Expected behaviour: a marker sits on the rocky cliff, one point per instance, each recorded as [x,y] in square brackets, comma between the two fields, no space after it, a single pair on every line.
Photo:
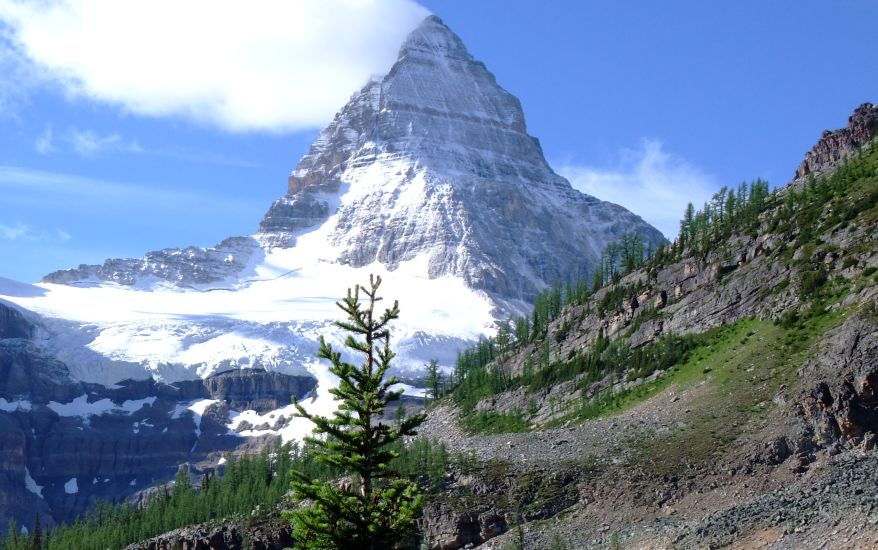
[834,146]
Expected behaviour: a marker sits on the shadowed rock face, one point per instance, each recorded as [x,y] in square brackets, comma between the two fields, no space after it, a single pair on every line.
[64,443]
[13,324]
[435,160]
[257,389]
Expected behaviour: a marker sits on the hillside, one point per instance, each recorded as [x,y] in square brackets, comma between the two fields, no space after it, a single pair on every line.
[720,395]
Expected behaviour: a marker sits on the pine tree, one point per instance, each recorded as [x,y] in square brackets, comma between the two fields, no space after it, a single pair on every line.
[38,534]
[372,511]
[433,379]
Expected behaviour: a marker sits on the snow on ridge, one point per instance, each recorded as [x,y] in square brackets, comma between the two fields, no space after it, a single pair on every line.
[81,407]
[108,332]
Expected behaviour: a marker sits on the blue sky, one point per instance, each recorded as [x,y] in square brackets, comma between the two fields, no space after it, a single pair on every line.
[126,128]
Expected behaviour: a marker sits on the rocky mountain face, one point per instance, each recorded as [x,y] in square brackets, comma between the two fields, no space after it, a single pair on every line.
[435,160]
[64,443]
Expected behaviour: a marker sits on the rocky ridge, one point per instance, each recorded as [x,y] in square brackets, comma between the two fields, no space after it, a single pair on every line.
[834,146]
[184,267]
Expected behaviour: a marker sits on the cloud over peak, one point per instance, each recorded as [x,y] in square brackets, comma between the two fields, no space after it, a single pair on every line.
[649,181]
[273,66]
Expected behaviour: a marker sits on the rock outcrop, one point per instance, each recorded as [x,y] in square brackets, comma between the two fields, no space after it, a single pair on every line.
[258,390]
[183,267]
[221,537]
[836,145]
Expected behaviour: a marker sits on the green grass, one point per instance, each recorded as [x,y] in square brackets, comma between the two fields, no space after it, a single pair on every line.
[745,369]
[489,422]
[721,350]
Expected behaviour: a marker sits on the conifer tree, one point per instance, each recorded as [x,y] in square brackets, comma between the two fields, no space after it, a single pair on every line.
[433,378]
[372,511]
[38,534]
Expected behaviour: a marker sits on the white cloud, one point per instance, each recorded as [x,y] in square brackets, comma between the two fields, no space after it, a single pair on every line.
[14,232]
[45,143]
[88,142]
[26,187]
[275,65]
[24,232]
[649,181]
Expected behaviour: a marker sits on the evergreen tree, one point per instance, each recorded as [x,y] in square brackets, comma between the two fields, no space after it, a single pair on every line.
[38,534]
[372,511]
[433,376]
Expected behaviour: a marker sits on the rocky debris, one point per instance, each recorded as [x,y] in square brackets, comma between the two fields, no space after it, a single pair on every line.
[840,405]
[803,514]
[258,390]
[835,146]
[183,267]
[225,536]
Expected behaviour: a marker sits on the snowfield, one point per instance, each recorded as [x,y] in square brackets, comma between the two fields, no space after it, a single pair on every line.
[271,319]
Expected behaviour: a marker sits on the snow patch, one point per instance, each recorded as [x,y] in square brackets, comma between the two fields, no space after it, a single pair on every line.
[197,409]
[12,406]
[81,407]
[71,488]
[31,485]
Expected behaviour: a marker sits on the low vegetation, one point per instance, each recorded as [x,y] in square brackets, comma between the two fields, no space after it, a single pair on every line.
[805,216]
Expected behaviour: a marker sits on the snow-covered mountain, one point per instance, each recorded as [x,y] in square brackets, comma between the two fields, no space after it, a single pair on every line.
[426,177]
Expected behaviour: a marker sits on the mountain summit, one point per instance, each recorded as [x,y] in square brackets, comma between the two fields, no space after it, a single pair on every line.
[435,160]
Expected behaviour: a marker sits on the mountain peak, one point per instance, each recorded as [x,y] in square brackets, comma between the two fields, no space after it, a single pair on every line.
[434,163]
[433,38]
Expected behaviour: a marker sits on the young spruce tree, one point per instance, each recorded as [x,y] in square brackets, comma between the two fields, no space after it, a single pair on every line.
[376,509]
